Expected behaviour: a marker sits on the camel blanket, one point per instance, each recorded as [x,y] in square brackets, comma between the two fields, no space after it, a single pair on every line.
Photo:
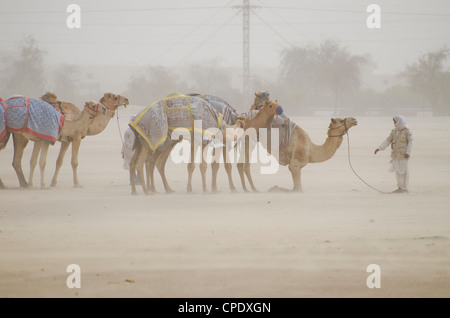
[156,122]
[285,129]
[220,106]
[36,117]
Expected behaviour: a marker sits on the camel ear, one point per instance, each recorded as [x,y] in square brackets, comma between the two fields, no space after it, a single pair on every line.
[333,120]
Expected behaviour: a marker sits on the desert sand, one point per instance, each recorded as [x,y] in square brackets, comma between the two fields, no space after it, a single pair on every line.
[317,243]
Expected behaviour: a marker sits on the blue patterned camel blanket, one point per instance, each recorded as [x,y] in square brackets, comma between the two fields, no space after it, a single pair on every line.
[156,122]
[221,106]
[286,129]
[36,117]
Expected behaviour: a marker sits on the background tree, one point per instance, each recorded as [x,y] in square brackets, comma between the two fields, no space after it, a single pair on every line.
[24,73]
[428,76]
[209,77]
[322,73]
[156,83]
[67,85]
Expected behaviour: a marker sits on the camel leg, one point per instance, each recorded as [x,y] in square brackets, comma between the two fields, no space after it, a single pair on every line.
[2,185]
[59,162]
[191,165]
[140,169]
[249,176]
[20,143]
[214,169]
[161,165]
[295,169]
[150,164]
[203,168]
[137,163]
[43,161]
[34,158]
[228,168]
[241,170]
[76,142]
[247,168]
[191,168]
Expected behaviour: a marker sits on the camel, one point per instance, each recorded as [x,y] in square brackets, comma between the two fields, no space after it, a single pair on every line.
[158,156]
[69,127]
[222,107]
[269,109]
[109,101]
[301,150]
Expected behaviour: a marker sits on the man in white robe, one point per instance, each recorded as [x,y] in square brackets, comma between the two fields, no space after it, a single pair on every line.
[401,141]
[127,148]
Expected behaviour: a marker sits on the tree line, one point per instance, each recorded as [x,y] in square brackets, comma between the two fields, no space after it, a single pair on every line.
[316,76]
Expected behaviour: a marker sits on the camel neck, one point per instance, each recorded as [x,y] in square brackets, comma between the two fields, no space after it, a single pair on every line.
[325,151]
[261,120]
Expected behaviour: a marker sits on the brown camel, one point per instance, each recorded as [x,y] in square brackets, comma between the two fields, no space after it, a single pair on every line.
[301,150]
[109,101]
[69,127]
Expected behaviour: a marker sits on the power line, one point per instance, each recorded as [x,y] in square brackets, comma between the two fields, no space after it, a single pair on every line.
[191,32]
[360,11]
[273,29]
[207,39]
[114,10]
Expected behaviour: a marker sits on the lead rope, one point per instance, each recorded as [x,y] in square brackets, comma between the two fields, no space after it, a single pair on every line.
[120,132]
[350,163]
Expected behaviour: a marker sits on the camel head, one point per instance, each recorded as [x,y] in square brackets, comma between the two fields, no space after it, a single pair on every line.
[339,127]
[113,101]
[50,98]
[260,98]
[271,107]
[94,108]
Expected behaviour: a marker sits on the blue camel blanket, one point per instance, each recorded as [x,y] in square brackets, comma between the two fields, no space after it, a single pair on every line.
[25,115]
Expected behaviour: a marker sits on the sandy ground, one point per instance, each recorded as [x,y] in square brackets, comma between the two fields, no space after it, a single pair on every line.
[318,243]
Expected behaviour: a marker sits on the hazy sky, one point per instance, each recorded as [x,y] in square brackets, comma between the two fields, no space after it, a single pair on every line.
[171,32]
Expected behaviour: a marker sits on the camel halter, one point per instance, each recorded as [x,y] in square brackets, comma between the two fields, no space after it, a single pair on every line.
[95,110]
[344,125]
[261,100]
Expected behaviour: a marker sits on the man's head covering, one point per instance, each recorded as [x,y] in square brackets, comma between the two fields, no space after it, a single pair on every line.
[133,117]
[400,122]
